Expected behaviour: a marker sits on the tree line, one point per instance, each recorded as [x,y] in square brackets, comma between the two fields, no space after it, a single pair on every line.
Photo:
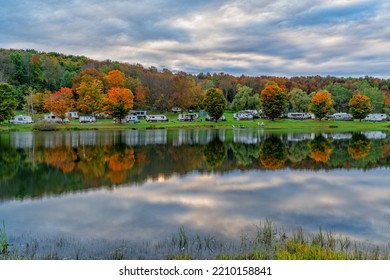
[39,80]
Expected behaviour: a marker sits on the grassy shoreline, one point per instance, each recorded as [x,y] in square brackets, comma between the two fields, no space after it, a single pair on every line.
[173,123]
[265,242]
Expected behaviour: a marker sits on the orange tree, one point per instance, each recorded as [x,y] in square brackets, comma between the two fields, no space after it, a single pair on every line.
[321,104]
[274,100]
[118,102]
[360,106]
[60,102]
[116,78]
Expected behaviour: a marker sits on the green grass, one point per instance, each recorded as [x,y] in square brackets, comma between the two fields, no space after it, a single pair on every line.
[280,124]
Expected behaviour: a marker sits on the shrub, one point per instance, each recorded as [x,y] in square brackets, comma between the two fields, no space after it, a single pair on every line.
[45,126]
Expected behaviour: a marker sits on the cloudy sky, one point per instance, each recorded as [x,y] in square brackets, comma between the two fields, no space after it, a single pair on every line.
[251,37]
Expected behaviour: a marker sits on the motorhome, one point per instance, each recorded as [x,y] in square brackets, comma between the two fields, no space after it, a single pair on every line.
[21,120]
[156,118]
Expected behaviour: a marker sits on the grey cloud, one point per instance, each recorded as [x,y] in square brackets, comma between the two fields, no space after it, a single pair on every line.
[290,37]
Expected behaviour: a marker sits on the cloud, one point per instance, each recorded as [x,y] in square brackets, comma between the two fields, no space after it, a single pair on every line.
[249,37]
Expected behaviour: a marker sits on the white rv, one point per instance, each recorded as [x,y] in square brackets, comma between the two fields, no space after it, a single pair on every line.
[138,114]
[87,119]
[300,116]
[21,120]
[52,118]
[187,117]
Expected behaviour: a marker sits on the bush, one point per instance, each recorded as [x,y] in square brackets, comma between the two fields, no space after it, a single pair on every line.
[45,126]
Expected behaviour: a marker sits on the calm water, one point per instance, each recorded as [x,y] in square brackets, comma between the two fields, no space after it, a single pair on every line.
[143,186]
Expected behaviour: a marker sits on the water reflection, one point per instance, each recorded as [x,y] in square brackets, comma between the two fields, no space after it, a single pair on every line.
[141,185]
[66,161]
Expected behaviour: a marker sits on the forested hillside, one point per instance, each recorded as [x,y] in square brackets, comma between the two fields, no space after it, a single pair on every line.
[34,74]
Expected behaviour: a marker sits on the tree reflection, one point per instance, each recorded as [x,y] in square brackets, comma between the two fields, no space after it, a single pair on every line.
[359,146]
[9,162]
[62,158]
[245,153]
[214,153]
[273,153]
[119,163]
[91,163]
[299,151]
[320,149]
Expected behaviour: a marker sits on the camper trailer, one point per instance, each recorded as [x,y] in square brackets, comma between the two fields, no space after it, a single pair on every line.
[376,117]
[138,114]
[189,117]
[156,118]
[52,118]
[300,116]
[87,119]
[21,120]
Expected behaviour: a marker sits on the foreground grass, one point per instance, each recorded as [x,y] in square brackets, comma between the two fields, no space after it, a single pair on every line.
[265,243]
[281,124]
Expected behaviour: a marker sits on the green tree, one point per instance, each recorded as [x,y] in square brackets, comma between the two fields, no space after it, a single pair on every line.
[214,103]
[360,106]
[321,104]
[299,100]
[340,95]
[376,97]
[8,102]
[240,101]
[214,153]
[273,100]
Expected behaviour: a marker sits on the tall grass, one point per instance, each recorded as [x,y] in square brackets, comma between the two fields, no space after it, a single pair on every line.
[265,242]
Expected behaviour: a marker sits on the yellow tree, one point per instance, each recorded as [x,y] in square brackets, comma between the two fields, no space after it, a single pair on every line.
[321,104]
[360,106]
[90,94]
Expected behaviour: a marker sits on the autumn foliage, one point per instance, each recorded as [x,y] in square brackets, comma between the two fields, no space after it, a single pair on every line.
[274,100]
[360,106]
[116,78]
[90,96]
[321,104]
[359,146]
[118,102]
[119,164]
[60,102]
[320,149]
[273,153]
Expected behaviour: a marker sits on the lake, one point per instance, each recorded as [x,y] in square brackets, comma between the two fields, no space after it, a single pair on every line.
[84,193]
